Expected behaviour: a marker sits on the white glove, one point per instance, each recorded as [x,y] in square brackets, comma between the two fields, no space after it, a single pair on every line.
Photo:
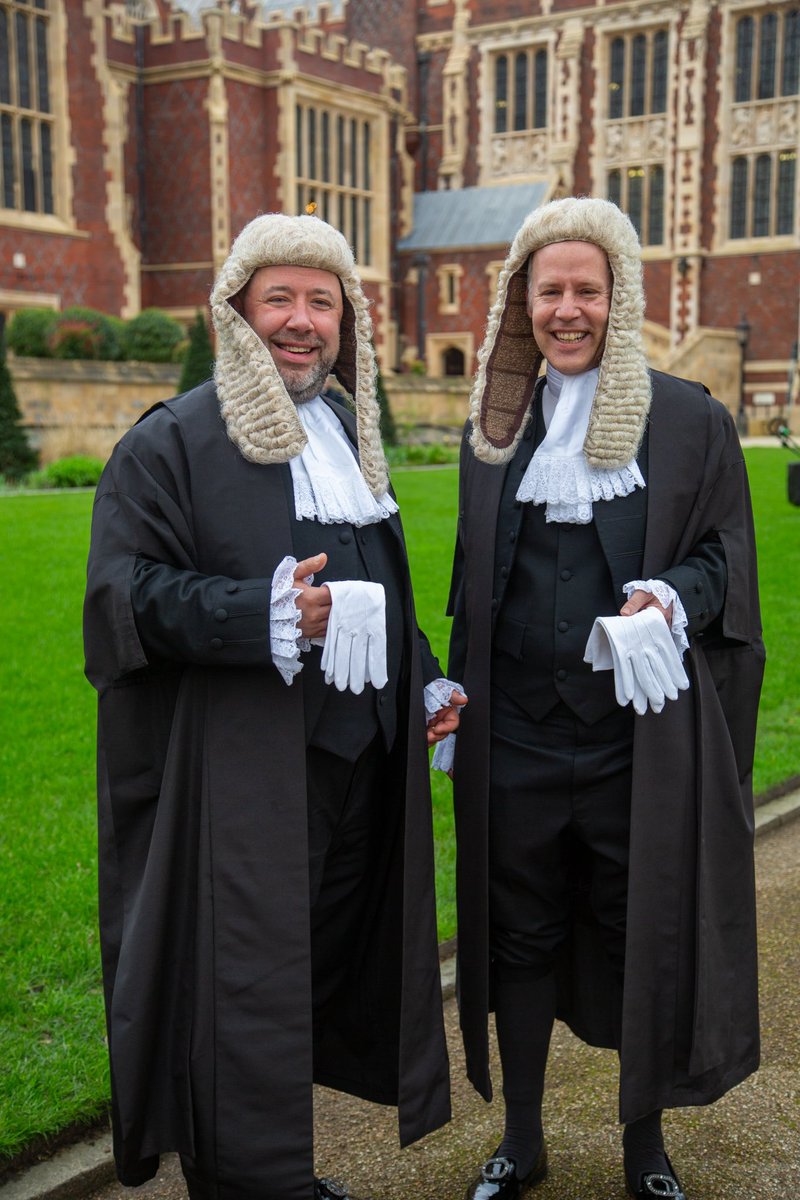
[355,642]
[640,648]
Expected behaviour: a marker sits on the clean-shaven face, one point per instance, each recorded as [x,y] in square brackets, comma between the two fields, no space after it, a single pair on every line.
[297,313]
[569,297]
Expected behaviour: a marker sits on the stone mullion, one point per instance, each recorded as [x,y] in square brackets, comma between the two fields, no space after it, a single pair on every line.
[688,172]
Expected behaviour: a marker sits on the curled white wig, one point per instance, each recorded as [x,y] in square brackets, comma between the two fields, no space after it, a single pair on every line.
[509,359]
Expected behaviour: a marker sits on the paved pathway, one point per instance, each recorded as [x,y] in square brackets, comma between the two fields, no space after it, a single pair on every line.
[745,1147]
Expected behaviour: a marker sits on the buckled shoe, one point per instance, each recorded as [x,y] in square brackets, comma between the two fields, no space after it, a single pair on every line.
[329,1189]
[498,1179]
[654,1185]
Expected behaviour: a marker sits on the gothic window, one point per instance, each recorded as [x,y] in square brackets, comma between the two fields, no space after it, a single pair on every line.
[767,55]
[763,190]
[454,361]
[520,91]
[637,74]
[333,168]
[26,118]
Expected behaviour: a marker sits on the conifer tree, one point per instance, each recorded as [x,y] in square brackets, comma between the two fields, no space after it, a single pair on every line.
[16,455]
[388,427]
[198,366]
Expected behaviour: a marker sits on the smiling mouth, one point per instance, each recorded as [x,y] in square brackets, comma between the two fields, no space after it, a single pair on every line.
[568,336]
[288,348]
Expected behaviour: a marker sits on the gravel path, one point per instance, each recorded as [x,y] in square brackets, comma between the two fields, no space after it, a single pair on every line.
[745,1147]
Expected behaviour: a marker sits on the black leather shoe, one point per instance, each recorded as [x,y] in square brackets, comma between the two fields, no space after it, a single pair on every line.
[329,1189]
[654,1185]
[498,1179]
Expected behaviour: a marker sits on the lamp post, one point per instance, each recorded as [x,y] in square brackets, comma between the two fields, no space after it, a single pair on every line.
[742,337]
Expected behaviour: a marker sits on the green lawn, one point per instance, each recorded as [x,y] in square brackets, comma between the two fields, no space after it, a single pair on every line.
[52,1045]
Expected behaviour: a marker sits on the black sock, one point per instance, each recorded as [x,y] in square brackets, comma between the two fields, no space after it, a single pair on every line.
[524,1014]
[643,1147]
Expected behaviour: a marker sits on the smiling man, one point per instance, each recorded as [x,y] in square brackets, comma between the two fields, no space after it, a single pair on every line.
[267,908]
[605,869]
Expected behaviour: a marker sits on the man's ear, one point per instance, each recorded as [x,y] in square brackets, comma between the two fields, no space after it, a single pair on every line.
[237,301]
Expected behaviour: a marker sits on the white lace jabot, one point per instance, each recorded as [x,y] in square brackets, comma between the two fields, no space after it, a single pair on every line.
[558,474]
[327,483]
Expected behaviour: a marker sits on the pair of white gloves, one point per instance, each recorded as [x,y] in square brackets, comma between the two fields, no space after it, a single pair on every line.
[641,650]
[354,650]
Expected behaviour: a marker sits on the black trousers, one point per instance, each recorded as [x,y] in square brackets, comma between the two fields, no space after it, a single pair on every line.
[559,797]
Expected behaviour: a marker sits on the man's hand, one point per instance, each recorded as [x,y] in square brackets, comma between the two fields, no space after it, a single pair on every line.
[639,600]
[446,719]
[314,602]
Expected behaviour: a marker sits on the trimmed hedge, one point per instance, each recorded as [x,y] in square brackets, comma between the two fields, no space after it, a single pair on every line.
[153,336]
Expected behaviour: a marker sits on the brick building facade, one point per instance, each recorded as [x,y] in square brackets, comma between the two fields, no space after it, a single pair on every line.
[138,136]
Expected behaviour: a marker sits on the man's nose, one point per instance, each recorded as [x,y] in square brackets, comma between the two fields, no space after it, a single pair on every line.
[300,316]
[567,306]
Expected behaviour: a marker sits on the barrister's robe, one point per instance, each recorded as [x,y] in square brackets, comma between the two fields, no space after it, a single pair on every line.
[690,1006]
[204,895]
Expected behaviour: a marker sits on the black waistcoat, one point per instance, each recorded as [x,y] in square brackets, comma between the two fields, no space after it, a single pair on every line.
[554,580]
[341,722]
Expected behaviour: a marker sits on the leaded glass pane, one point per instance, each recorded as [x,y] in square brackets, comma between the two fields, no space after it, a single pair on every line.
[787,175]
[655,222]
[614,187]
[739,175]
[23,66]
[47,169]
[367,152]
[790,76]
[501,94]
[5,66]
[636,197]
[766,58]
[41,66]
[762,196]
[540,92]
[367,257]
[8,160]
[521,91]
[616,79]
[340,156]
[638,72]
[298,139]
[311,166]
[658,88]
[28,172]
[744,59]
[325,147]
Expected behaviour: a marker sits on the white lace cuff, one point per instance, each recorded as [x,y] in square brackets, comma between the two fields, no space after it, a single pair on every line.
[285,639]
[665,594]
[437,695]
[444,753]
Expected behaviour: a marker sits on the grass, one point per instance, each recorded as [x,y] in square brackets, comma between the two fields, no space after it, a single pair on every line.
[52,1046]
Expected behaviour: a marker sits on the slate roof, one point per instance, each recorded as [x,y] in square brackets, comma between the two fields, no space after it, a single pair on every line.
[470,217]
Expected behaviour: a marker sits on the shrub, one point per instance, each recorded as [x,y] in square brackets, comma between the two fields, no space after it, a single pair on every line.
[198,365]
[81,332]
[153,336]
[28,331]
[16,456]
[79,470]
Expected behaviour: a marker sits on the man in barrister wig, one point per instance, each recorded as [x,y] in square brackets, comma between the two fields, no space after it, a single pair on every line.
[607,632]
[267,905]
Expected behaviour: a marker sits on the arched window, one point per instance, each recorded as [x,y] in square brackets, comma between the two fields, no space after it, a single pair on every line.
[761,195]
[616,76]
[744,58]
[739,173]
[501,94]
